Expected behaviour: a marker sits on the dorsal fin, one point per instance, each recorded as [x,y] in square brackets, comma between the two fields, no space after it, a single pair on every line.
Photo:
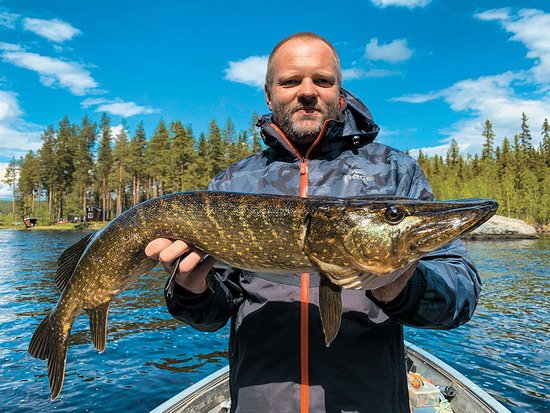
[66,263]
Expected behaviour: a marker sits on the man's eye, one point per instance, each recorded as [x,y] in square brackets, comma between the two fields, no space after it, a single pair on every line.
[290,82]
[324,82]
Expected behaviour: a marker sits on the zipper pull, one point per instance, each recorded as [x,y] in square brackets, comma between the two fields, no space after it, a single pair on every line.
[303,167]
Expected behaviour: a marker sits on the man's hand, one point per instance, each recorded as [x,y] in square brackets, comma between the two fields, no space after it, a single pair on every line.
[390,291]
[192,270]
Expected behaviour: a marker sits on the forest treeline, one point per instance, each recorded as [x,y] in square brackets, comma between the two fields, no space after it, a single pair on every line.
[84,164]
[515,173]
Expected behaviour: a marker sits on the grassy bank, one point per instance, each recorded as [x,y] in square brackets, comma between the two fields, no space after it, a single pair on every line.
[58,227]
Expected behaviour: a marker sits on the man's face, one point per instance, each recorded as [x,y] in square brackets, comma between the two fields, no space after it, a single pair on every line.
[304,92]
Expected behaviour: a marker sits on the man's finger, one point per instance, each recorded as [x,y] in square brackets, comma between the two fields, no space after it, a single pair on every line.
[195,281]
[173,251]
[189,263]
[154,248]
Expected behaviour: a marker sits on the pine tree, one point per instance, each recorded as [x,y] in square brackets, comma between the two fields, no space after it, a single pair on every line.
[217,153]
[158,159]
[488,134]
[136,162]
[84,162]
[29,183]
[104,162]
[65,149]
[119,175]
[545,142]
[10,179]
[525,135]
[452,154]
[46,155]
[204,163]
[183,157]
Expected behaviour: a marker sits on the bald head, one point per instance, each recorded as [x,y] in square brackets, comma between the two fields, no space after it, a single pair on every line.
[298,39]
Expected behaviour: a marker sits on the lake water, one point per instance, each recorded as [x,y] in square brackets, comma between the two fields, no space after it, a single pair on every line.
[150,357]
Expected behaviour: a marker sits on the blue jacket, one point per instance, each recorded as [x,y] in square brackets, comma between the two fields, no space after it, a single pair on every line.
[363,370]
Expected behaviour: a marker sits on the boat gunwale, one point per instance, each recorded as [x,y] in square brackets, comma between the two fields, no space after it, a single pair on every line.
[221,377]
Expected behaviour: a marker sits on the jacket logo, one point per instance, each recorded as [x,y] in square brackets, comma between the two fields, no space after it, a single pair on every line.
[357,175]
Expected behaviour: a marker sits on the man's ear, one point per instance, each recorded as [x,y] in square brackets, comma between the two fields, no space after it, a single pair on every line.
[267,96]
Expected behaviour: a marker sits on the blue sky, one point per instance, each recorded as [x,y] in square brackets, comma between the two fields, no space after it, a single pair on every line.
[429,70]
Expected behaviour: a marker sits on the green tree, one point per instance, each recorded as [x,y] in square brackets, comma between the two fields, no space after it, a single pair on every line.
[158,159]
[10,178]
[46,155]
[137,163]
[29,183]
[525,135]
[545,142]
[103,165]
[84,163]
[217,153]
[489,135]
[119,175]
[184,157]
[64,163]
[204,163]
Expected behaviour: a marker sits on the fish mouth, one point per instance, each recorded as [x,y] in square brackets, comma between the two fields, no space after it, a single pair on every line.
[451,220]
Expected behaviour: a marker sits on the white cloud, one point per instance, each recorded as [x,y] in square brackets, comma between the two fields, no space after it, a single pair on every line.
[532,28]
[10,47]
[16,136]
[5,190]
[487,97]
[93,101]
[494,14]
[402,3]
[55,30]
[118,107]
[501,98]
[393,52]
[250,71]
[7,19]
[418,97]
[359,73]
[53,72]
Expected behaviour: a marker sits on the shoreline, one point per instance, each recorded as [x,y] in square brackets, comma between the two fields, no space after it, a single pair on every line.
[93,226]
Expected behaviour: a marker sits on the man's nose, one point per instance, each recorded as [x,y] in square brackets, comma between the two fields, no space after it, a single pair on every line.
[307,88]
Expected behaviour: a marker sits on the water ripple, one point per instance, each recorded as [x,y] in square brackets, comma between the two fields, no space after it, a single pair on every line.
[149,356]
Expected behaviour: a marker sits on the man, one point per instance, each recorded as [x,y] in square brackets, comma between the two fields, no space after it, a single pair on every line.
[319,142]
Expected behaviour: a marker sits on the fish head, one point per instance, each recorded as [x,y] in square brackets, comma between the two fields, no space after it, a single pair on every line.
[386,235]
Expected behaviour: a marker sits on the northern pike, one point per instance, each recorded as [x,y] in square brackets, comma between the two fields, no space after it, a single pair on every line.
[352,243]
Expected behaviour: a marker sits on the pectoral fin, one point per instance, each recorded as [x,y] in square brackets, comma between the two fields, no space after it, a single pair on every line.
[330,307]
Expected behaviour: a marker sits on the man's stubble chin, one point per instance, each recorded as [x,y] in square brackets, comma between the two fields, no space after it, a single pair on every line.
[302,129]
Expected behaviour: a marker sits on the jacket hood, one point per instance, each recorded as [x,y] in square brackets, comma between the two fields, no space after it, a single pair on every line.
[354,126]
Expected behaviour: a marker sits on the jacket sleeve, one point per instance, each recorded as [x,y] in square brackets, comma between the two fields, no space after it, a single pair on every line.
[444,290]
[210,310]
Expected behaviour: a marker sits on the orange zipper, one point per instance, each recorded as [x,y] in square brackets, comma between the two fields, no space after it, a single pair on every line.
[304,278]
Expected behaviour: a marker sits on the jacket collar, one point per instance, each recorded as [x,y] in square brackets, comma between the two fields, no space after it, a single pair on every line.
[354,127]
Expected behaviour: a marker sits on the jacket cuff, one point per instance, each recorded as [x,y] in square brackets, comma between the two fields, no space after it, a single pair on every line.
[187,300]
[408,300]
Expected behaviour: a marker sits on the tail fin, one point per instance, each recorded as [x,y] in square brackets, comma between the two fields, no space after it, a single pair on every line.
[51,342]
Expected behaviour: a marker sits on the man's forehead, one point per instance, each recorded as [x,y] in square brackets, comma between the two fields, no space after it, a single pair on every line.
[304,46]
[304,54]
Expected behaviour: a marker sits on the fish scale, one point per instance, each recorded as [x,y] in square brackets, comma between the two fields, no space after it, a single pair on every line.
[350,242]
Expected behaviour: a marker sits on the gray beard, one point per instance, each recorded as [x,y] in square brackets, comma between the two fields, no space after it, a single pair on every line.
[283,120]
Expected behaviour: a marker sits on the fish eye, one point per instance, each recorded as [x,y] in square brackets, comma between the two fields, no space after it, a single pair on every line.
[394,215]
